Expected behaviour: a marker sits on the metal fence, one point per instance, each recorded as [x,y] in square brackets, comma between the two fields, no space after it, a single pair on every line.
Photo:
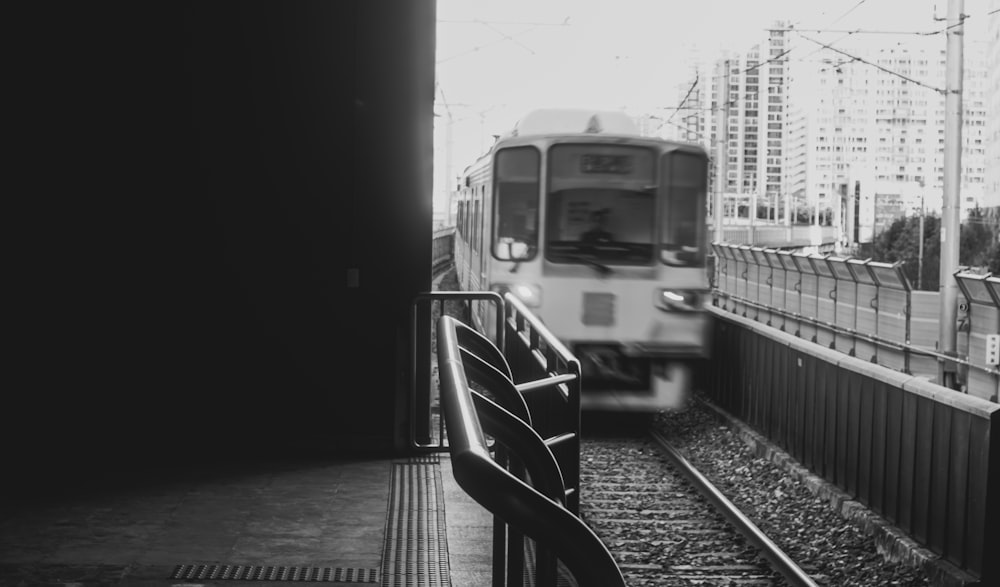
[865,309]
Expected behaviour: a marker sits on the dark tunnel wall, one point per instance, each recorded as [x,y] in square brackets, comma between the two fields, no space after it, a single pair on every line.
[229,215]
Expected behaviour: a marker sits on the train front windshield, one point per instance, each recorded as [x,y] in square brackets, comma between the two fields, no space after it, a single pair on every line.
[601,204]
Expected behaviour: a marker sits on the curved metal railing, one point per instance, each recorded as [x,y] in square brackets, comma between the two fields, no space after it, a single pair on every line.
[534,509]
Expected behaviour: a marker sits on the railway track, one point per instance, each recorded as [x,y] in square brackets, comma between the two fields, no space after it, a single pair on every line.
[665,525]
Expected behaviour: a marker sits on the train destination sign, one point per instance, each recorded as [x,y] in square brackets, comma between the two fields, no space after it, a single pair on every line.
[590,163]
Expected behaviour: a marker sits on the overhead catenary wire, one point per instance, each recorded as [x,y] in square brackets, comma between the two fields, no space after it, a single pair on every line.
[685,99]
[690,101]
[749,69]
[852,9]
[851,58]
[504,37]
[478,48]
[961,22]
[875,65]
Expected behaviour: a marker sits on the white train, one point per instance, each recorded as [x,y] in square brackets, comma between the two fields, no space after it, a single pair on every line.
[602,233]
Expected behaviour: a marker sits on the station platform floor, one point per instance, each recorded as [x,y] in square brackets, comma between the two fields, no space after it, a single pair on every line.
[385,522]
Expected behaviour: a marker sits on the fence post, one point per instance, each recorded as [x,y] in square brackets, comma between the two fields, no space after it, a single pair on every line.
[754,281]
[743,263]
[765,285]
[866,319]
[793,285]
[845,314]
[982,293]
[826,300]
[721,273]
[808,296]
[893,313]
[732,277]
[778,288]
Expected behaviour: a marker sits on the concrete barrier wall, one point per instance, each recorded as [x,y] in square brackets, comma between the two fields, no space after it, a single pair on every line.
[923,456]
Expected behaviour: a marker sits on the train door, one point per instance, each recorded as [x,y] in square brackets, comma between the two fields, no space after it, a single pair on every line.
[478,250]
[463,248]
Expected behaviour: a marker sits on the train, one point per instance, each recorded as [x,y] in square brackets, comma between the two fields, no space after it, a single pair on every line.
[601,232]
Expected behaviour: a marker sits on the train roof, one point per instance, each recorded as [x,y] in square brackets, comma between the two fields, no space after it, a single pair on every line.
[568,122]
[573,121]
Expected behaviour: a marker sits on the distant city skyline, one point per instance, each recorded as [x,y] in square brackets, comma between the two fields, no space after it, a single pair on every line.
[498,60]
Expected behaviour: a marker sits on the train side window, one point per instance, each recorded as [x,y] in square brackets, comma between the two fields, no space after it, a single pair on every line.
[476,222]
[515,205]
[686,185]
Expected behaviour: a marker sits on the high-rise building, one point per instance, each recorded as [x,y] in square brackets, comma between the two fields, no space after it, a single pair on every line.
[754,108]
[991,189]
[873,115]
[850,131]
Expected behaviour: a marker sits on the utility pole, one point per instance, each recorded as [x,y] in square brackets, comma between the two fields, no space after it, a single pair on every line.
[950,224]
[721,149]
[920,247]
[788,204]
[838,216]
[448,187]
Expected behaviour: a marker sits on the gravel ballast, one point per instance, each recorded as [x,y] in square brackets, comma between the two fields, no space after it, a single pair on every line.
[835,539]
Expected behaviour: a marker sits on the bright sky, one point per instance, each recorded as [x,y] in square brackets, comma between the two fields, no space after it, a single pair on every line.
[498,59]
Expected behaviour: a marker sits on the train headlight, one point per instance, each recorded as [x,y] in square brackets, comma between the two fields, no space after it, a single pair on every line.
[530,294]
[679,300]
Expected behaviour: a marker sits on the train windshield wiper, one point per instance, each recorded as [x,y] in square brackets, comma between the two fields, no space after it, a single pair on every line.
[586,260]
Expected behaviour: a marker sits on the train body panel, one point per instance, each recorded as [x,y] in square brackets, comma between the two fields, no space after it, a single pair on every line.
[617,309]
[601,232]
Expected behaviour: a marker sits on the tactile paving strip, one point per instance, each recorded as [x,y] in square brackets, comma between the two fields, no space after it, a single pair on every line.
[274,573]
[416,540]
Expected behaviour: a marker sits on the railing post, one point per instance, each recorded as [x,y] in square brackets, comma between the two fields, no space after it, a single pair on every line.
[421,418]
[845,314]
[866,310]
[893,326]
[793,292]
[808,296]
[778,288]
[982,293]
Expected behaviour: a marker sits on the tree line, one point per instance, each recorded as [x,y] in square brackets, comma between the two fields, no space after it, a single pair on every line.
[979,246]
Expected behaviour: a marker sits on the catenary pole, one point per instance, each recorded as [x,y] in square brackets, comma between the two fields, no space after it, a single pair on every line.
[721,150]
[952,186]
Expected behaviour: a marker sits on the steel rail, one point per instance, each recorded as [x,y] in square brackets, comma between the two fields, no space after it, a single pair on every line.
[777,557]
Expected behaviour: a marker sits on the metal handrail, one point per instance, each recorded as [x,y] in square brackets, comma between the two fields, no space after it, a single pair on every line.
[512,499]
[522,318]
[523,441]
[878,341]
[555,370]
[499,383]
[420,433]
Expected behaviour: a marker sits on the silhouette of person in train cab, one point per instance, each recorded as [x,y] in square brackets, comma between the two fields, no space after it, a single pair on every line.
[598,231]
